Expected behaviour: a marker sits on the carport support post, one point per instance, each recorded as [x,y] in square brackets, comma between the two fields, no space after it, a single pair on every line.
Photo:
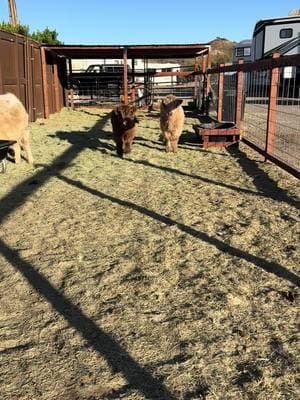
[204,83]
[71,95]
[132,80]
[271,123]
[125,80]
[132,70]
[45,83]
[220,95]
[196,68]
[208,66]
[239,95]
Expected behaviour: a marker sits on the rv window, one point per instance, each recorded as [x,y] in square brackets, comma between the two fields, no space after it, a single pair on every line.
[286,33]
[242,51]
[239,52]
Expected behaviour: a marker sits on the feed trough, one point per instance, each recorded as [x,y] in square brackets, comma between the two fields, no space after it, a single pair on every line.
[4,146]
[217,134]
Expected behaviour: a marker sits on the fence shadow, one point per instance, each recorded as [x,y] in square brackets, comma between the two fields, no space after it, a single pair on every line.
[103,148]
[118,359]
[268,266]
[187,143]
[265,185]
[262,181]
[94,142]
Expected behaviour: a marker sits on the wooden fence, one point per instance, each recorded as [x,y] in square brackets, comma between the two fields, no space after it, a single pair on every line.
[33,73]
[263,99]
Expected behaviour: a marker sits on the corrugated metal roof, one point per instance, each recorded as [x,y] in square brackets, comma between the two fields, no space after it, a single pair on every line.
[152,51]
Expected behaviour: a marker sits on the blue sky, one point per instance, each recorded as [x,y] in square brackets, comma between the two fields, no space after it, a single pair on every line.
[146,22]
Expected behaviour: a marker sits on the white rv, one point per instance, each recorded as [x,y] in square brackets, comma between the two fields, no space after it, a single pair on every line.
[280,35]
[242,51]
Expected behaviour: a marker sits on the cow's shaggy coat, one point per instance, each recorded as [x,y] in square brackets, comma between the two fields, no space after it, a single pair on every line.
[171,121]
[14,125]
[123,122]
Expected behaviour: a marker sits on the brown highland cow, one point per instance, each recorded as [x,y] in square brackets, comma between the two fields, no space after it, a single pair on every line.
[123,122]
[171,121]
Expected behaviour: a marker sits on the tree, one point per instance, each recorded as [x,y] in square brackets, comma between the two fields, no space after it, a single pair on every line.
[46,36]
[222,57]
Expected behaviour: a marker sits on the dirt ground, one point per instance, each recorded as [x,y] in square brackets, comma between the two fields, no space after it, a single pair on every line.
[156,276]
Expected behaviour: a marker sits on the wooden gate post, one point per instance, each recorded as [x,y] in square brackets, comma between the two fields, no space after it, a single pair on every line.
[239,96]
[1,81]
[56,88]
[271,123]
[45,83]
[220,94]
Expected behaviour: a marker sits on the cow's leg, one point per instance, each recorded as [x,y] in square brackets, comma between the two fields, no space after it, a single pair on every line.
[127,144]
[27,149]
[174,145]
[162,137]
[128,139]
[168,138]
[168,146]
[119,143]
[17,152]
[120,150]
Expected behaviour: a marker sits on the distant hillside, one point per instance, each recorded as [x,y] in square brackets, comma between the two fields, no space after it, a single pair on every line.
[222,50]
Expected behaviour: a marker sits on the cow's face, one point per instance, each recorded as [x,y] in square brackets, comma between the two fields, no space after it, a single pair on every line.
[129,123]
[170,103]
[129,118]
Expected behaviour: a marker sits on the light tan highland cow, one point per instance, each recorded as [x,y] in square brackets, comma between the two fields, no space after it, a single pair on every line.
[14,125]
[171,121]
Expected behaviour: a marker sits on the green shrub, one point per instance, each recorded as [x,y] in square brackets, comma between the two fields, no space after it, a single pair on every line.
[21,29]
[46,36]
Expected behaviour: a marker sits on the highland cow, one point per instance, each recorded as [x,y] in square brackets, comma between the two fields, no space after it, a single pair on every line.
[123,122]
[14,125]
[171,121]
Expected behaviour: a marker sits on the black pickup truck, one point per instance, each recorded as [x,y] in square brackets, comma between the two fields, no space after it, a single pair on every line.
[98,77]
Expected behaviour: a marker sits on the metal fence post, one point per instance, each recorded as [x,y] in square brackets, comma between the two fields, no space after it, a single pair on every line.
[220,95]
[271,122]
[239,95]
[125,76]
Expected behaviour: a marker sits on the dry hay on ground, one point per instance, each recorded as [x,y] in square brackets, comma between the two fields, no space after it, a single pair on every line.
[150,277]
